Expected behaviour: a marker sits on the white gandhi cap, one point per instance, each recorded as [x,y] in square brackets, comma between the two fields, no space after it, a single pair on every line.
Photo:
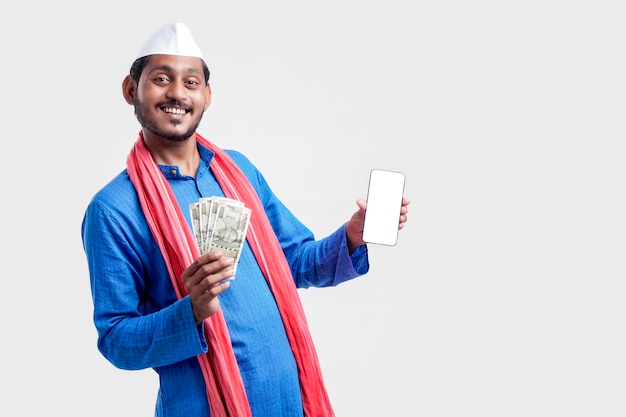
[174,39]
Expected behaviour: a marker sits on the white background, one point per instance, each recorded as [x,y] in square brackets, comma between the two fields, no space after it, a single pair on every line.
[505,293]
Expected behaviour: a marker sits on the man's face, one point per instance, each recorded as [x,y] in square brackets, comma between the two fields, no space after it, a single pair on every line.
[172,96]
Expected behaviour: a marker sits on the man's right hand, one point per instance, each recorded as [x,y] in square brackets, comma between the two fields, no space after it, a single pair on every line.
[205,279]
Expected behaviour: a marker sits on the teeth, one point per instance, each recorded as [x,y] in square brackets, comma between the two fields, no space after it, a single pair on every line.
[174,110]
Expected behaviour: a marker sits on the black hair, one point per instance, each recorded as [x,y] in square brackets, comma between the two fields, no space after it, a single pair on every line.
[140,63]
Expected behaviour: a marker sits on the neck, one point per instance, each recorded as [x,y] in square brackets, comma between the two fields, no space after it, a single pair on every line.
[183,154]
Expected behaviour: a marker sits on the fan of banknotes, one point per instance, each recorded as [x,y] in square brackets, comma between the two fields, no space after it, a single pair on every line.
[220,224]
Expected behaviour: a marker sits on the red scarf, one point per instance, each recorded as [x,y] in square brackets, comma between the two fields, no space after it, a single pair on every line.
[225,390]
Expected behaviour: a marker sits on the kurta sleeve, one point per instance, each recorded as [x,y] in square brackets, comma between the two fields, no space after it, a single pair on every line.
[122,256]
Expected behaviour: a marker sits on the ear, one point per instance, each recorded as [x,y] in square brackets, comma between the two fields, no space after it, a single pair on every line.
[207,102]
[129,89]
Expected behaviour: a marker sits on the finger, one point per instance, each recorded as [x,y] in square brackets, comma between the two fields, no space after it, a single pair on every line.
[205,266]
[201,261]
[224,272]
[213,286]
[213,263]
[204,293]
[207,303]
[403,219]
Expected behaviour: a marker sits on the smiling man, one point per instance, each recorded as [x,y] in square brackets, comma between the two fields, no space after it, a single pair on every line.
[221,346]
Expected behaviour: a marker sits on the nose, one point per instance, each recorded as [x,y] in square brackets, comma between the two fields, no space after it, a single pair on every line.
[176,90]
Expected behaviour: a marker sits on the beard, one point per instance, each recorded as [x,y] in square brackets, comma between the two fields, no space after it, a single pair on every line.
[152,126]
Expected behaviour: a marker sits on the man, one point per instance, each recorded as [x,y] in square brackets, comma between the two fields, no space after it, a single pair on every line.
[221,345]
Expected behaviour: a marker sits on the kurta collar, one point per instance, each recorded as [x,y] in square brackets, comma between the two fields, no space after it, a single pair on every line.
[172,171]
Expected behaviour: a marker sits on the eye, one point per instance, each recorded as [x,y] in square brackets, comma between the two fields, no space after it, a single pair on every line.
[192,83]
[161,79]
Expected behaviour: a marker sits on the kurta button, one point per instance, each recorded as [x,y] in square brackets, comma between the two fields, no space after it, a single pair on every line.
[173,171]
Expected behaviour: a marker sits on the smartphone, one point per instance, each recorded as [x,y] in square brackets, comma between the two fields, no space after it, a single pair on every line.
[384,202]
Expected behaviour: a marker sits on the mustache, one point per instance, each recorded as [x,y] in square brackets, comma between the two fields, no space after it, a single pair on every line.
[173,103]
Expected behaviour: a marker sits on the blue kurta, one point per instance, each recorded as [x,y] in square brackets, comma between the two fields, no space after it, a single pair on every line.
[141,323]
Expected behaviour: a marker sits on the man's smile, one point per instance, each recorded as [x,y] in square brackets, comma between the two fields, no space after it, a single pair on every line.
[174,110]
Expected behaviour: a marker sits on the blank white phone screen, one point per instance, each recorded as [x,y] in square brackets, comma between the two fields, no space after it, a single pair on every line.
[384,202]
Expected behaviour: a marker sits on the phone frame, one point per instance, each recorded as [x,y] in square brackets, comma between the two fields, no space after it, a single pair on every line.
[384,203]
